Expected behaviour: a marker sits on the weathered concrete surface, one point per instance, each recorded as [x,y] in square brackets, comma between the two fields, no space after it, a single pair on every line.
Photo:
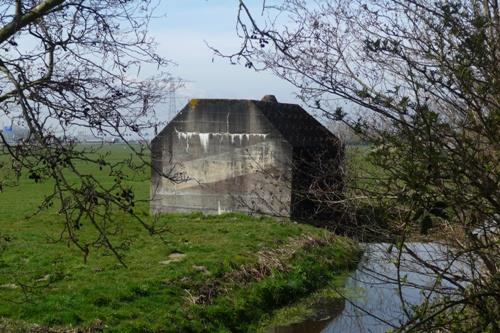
[238,155]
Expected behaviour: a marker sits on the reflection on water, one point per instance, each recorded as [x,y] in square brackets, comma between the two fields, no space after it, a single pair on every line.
[312,326]
[324,311]
[376,305]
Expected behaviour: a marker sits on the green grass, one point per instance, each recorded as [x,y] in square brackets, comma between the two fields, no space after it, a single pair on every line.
[20,201]
[78,294]
[44,280]
[362,174]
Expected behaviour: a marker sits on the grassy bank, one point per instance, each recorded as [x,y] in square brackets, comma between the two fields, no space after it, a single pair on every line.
[165,288]
[204,274]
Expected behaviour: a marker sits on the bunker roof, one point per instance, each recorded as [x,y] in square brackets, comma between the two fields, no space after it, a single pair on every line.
[296,125]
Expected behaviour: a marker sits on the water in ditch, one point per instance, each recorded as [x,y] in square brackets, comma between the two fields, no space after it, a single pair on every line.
[373,303]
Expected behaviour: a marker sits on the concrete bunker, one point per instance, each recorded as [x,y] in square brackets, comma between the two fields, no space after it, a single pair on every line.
[245,156]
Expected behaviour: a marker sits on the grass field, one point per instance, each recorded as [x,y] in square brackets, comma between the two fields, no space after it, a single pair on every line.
[207,273]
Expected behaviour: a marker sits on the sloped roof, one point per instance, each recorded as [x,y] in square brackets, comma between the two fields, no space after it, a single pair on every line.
[297,127]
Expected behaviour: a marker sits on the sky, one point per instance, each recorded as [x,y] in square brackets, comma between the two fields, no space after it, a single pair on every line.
[182,31]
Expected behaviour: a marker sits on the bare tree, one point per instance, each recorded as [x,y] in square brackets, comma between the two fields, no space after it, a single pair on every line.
[72,65]
[430,71]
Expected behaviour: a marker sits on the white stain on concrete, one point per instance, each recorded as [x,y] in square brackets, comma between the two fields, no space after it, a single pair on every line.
[186,136]
[205,137]
[220,210]
[204,141]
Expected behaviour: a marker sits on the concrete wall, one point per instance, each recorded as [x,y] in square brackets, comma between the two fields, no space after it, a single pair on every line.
[234,158]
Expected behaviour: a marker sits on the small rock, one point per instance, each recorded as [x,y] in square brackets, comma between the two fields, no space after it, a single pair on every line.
[176,255]
[44,278]
[173,257]
[185,279]
[201,269]
[9,286]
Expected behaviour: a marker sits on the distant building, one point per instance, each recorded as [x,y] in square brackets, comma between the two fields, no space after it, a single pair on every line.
[13,134]
[246,156]
[90,138]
